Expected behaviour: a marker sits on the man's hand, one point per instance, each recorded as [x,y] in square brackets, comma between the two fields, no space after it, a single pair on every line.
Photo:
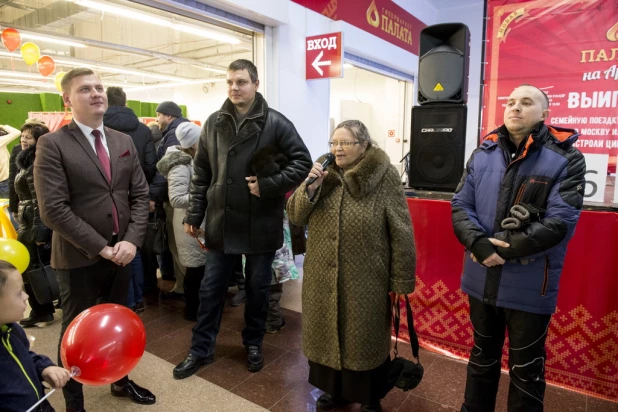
[495,259]
[124,253]
[107,253]
[56,377]
[254,187]
[152,206]
[190,230]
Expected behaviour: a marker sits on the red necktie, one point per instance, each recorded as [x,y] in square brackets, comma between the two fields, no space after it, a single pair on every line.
[104,159]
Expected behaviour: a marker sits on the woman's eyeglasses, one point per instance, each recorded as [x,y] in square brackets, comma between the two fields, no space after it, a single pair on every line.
[342,144]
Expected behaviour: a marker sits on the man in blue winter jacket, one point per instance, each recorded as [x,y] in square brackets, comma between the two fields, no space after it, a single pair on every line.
[515,210]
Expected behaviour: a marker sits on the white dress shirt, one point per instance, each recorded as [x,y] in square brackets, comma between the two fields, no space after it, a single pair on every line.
[87,131]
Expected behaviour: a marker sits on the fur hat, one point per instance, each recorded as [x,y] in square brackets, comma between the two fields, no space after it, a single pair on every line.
[188,134]
[267,161]
[169,108]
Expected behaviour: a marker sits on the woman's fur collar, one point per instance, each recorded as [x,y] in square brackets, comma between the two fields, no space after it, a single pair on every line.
[363,178]
[171,159]
[25,158]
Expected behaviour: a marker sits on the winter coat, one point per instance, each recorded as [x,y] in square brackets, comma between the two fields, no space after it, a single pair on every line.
[237,221]
[546,173]
[31,229]
[177,167]
[13,198]
[20,380]
[124,120]
[360,247]
[158,186]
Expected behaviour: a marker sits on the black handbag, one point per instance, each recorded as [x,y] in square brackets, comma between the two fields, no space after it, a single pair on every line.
[403,373]
[42,280]
[156,240]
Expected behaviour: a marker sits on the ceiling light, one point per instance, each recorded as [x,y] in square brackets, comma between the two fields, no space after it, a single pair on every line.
[30,36]
[8,73]
[150,19]
[167,85]
[14,82]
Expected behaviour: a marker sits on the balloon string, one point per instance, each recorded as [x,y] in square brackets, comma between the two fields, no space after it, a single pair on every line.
[74,372]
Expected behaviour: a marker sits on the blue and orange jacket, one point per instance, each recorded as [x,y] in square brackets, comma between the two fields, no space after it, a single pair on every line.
[546,171]
[20,377]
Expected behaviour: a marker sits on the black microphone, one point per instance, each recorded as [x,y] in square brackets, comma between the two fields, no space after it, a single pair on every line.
[330,158]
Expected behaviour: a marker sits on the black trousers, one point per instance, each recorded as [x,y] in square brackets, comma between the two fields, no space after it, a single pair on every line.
[527,334]
[193,279]
[80,289]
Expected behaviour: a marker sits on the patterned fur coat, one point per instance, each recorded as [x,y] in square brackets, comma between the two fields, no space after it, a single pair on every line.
[360,246]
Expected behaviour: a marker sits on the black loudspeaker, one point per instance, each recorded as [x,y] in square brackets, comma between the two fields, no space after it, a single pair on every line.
[444,58]
[437,147]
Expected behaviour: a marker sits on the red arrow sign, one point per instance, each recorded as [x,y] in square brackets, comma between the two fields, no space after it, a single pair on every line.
[324,54]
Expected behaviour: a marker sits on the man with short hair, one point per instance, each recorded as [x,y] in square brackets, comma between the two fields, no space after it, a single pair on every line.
[123,119]
[244,214]
[515,210]
[93,194]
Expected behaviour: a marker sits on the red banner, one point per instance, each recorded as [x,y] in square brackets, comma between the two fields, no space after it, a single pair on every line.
[382,18]
[569,49]
[582,342]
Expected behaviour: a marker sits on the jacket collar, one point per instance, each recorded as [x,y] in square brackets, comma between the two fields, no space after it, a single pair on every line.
[259,108]
[363,178]
[563,137]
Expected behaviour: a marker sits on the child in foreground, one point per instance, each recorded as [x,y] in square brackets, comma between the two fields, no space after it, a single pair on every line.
[23,371]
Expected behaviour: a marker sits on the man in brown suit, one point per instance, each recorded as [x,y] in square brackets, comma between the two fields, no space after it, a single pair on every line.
[93,194]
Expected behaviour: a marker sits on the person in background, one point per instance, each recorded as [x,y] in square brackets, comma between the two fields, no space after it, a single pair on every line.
[122,118]
[13,198]
[93,194]
[284,269]
[177,167]
[31,232]
[360,247]
[241,210]
[515,210]
[169,117]
[7,135]
[23,371]
[157,136]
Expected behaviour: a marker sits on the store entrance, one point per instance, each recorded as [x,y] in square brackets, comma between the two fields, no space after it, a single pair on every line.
[380,102]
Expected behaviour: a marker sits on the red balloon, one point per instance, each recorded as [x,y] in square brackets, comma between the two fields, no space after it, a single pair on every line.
[105,342]
[46,65]
[11,39]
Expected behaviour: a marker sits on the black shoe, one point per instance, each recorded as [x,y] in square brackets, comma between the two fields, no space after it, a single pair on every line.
[327,402]
[33,321]
[255,358]
[374,407]
[172,295]
[190,365]
[135,392]
[239,298]
[275,329]
[139,307]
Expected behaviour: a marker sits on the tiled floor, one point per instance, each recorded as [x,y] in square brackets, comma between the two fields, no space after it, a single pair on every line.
[282,384]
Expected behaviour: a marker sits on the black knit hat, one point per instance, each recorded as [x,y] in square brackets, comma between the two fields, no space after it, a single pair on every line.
[169,108]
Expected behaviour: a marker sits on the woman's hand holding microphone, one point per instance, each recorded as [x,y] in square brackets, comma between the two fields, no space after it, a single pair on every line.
[318,174]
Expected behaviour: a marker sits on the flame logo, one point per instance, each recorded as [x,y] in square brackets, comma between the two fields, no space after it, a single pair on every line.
[612,33]
[373,17]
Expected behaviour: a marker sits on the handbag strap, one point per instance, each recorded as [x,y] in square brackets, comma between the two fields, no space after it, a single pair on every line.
[411,330]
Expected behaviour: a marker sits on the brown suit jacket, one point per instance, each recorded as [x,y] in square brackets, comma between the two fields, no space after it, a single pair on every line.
[75,198]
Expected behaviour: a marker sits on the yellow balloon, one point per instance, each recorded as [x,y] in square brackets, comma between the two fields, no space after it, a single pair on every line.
[58,79]
[30,53]
[15,253]
[6,227]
